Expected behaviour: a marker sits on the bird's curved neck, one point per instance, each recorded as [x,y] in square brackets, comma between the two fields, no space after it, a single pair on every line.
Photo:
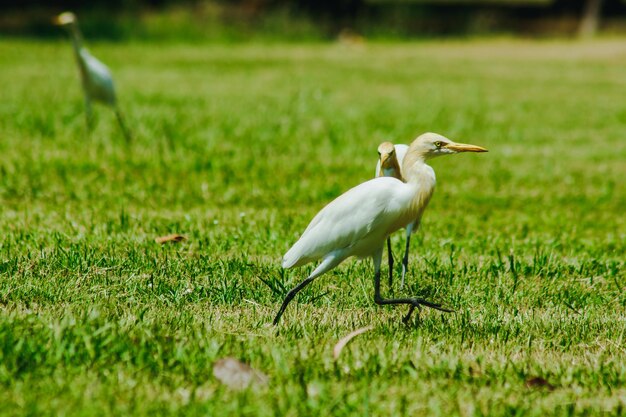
[396,169]
[392,171]
[421,177]
[77,39]
[414,166]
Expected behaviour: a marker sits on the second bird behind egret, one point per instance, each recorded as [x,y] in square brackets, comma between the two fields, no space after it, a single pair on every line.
[358,222]
[390,158]
[95,76]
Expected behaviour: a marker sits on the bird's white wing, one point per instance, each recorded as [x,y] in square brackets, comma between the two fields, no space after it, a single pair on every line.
[371,207]
[98,78]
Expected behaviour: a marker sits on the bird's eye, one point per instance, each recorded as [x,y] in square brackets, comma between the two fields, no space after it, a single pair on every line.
[378,153]
[438,144]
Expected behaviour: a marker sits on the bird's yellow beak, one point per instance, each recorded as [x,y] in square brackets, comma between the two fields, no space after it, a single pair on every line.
[463,147]
[383,159]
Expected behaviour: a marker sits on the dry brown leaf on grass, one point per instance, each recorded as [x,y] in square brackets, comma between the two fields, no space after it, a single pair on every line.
[344,340]
[539,382]
[238,375]
[174,237]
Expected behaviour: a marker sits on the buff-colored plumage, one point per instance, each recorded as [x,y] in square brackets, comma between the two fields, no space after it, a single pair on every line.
[390,158]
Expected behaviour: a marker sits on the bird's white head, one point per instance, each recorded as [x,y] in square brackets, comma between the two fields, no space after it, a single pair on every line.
[65,19]
[431,145]
[387,155]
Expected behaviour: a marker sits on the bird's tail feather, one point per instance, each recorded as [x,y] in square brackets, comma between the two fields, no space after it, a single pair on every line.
[296,256]
[290,259]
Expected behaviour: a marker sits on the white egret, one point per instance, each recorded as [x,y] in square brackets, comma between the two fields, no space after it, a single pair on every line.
[95,76]
[358,222]
[390,158]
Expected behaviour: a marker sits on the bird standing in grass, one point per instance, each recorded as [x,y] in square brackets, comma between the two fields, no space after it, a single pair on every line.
[95,76]
[390,159]
[358,222]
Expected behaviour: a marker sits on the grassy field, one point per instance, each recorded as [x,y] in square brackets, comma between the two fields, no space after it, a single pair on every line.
[237,147]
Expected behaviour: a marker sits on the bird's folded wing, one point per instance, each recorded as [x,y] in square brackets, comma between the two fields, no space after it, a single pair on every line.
[346,220]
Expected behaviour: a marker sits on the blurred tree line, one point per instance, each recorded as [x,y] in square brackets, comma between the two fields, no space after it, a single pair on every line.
[315,18]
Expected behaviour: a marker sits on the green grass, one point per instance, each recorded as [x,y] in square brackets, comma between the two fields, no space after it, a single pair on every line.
[237,147]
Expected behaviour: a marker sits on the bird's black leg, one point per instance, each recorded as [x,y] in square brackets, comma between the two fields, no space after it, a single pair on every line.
[290,296]
[327,264]
[390,256]
[120,120]
[405,259]
[413,302]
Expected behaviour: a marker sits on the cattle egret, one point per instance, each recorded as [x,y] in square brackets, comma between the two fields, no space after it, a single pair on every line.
[390,158]
[358,222]
[95,76]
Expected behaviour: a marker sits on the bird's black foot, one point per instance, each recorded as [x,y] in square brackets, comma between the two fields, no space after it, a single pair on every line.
[418,304]
[406,318]
[413,303]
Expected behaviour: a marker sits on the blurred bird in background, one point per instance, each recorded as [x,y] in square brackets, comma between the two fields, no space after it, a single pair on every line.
[95,76]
